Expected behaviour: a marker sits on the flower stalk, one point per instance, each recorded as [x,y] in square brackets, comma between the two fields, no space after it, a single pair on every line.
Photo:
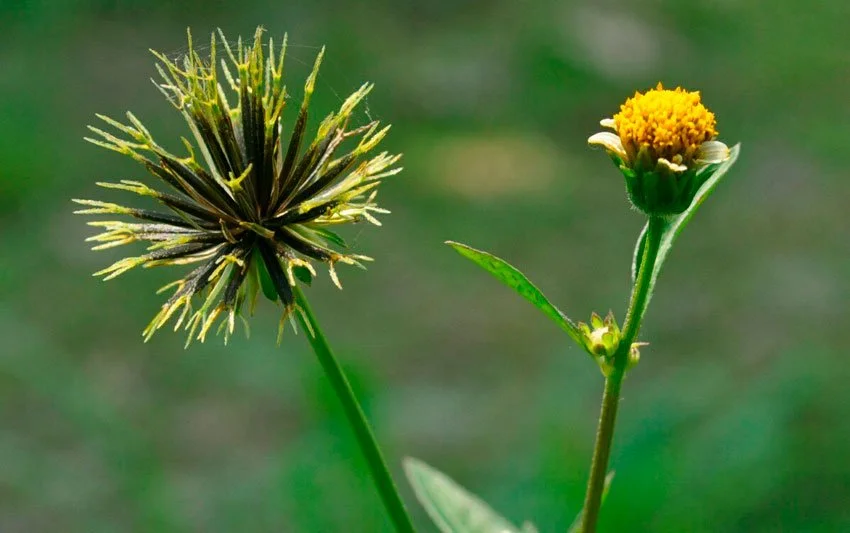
[614,379]
[384,483]
[250,208]
[664,143]
[602,450]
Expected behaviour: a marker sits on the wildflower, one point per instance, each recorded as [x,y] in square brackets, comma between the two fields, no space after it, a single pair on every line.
[664,143]
[255,208]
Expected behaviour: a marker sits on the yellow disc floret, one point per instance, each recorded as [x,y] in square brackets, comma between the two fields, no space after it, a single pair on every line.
[670,124]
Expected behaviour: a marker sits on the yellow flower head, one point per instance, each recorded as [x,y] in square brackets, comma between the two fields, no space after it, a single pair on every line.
[664,144]
[671,124]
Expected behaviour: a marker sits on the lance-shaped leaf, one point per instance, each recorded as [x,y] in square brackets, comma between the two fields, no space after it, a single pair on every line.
[674,225]
[452,508]
[516,280]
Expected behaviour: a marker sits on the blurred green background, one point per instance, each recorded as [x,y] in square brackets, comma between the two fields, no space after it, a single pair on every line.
[737,418]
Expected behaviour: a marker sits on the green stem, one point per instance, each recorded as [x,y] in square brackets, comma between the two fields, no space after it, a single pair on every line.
[356,418]
[599,463]
[641,289]
[611,394]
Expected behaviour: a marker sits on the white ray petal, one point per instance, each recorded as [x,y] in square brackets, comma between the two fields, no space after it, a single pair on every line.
[672,166]
[712,152]
[609,141]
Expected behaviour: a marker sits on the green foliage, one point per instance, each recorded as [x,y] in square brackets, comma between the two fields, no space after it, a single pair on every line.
[513,278]
[455,510]
[452,508]
[265,279]
[303,275]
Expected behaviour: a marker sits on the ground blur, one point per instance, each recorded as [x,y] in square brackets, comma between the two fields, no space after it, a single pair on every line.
[732,422]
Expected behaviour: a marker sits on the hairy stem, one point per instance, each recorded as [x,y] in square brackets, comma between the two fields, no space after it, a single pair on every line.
[599,463]
[613,381]
[641,289]
[356,418]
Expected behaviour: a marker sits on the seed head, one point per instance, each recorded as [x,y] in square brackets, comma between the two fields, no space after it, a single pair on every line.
[246,205]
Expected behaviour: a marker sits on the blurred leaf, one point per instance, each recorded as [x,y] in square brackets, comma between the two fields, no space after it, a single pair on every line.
[575,527]
[516,280]
[451,507]
[674,225]
[528,527]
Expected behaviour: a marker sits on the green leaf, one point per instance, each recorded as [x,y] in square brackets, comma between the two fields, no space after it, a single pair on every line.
[674,225]
[516,280]
[303,274]
[575,527]
[265,279]
[329,236]
[641,242]
[450,506]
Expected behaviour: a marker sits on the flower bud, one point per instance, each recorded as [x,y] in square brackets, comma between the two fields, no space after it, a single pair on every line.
[634,354]
[602,337]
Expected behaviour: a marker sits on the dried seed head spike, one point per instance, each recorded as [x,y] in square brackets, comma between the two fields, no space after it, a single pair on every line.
[239,188]
[243,204]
